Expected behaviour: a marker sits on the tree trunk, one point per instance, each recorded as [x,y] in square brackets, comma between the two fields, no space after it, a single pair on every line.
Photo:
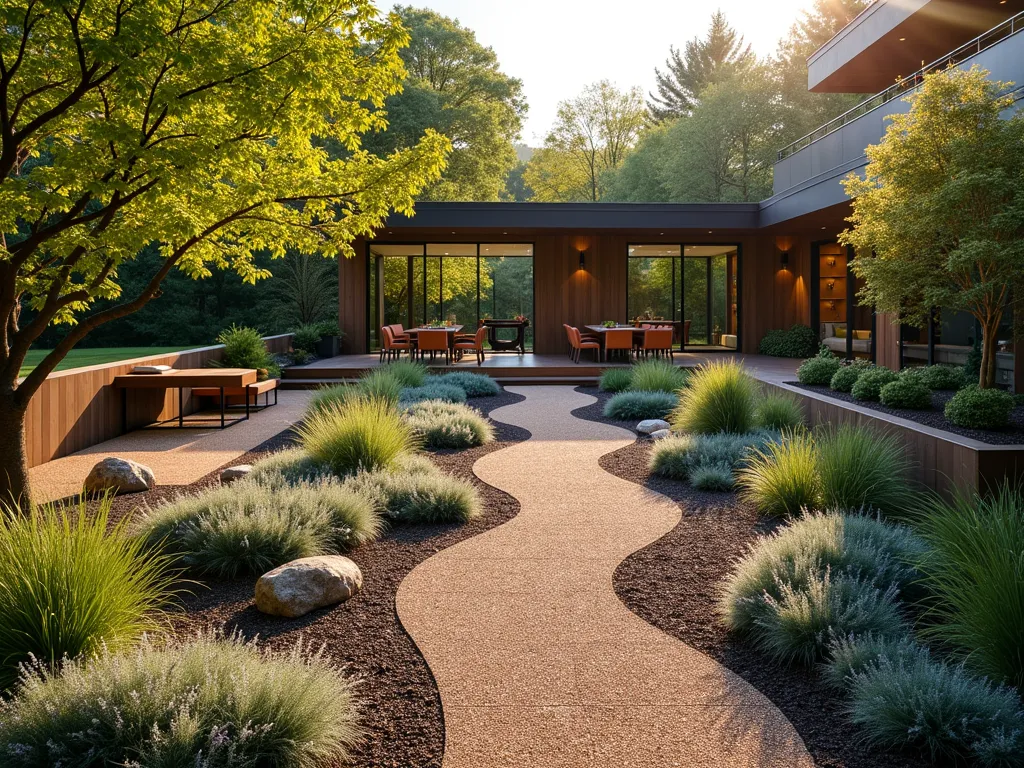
[989,339]
[13,454]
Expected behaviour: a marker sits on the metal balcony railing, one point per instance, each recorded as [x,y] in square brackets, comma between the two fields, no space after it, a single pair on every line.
[977,45]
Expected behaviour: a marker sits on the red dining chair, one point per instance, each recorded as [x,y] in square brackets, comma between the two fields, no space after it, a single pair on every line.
[618,340]
[434,342]
[476,345]
[390,347]
[658,341]
[579,345]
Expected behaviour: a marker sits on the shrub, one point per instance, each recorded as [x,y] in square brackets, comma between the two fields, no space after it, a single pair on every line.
[906,393]
[69,586]
[359,434]
[849,545]
[782,477]
[798,341]
[616,379]
[449,425]
[818,371]
[844,379]
[912,700]
[671,457]
[976,571]
[248,528]
[419,496]
[201,701]
[975,408]
[306,337]
[473,384]
[720,397]
[380,384]
[712,477]
[244,348]
[869,384]
[779,411]
[658,375]
[409,373]
[859,468]
[943,377]
[292,465]
[432,390]
[851,655]
[798,626]
[330,396]
[634,406]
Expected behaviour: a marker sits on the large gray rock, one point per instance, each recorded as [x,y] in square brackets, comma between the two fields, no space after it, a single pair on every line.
[237,472]
[661,434]
[296,588]
[647,426]
[120,476]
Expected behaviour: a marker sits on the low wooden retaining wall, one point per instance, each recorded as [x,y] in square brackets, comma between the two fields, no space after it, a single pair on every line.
[942,461]
[78,408]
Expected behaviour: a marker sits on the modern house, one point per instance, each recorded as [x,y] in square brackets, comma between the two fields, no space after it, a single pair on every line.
[727,272]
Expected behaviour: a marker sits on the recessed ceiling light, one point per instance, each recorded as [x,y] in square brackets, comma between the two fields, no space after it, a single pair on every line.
[504,233]
[903,39]
[823,227]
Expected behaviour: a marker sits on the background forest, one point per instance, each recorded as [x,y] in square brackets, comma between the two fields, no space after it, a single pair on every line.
[707,133]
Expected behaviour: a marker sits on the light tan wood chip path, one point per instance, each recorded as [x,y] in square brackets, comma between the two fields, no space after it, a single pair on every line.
[538,663]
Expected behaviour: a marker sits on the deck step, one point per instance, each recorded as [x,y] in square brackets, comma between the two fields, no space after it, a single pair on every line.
[576,381]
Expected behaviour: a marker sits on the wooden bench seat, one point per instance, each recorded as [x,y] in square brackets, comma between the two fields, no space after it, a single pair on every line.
[236,395]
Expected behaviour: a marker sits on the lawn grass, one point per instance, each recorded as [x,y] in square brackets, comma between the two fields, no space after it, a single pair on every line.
[80,358]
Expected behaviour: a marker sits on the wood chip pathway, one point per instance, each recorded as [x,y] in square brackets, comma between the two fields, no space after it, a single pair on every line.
[538,663]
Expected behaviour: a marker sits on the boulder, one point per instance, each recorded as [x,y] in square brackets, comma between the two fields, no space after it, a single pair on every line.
[661,434]
[120,476]
[296,588]
[647,426]
[231,474]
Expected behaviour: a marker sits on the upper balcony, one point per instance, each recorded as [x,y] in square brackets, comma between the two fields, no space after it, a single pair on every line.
[891,38]
[808,172]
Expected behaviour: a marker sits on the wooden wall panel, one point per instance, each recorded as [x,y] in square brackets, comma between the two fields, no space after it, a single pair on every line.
[353,295]
[77,408]
[887,344]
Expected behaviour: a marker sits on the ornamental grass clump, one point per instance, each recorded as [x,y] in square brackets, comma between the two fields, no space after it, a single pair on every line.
[70,583]
[906,393]
[853,654]
[409,373]
[848,544]
[975,569]
[974,408]
[248,528]
[712,477]
[292,465]
[199,701]
[782,477]
[379,384]
[636,406]
[719,397]
[779,411]
[658,375]
[420,494]
[616,379]
[671,457]
[449,425]
[359,434]
[818,371]
[859,468]
[324,397]
[911,700]
[434,389]
[473,384]
[869,384]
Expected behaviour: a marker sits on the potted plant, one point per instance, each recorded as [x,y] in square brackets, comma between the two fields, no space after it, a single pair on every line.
[329,344]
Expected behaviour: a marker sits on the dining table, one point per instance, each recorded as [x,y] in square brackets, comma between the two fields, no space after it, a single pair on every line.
[451,330]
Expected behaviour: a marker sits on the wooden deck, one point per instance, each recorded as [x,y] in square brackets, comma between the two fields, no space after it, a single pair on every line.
[528,368]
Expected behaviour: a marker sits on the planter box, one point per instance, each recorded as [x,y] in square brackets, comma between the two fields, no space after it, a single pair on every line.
[328,346]
[942,461]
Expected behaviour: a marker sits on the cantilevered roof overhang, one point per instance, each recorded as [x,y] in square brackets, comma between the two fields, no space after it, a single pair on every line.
[895,38]
[580,216]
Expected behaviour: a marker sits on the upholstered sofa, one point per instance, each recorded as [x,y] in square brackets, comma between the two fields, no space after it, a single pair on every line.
[834,337]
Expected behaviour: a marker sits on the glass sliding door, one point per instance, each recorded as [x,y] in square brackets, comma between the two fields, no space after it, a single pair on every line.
[652,282]
[413,284]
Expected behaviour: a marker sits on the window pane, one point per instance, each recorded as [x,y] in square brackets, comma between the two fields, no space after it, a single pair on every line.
[459,281]
[695,298]
[506,249]
[506,290]
[649,289]
[451,249]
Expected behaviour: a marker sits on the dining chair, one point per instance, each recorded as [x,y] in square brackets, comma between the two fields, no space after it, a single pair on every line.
[399,332]
[579,345]
[476,345]
[658,341]
[433,342]
[391,347]
[618,340]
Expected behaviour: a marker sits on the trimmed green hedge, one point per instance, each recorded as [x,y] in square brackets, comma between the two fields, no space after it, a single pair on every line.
[975,408]
[798,341]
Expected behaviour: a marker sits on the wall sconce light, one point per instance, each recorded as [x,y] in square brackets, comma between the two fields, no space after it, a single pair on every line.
[583,259]
[831,305]
[832,261]
[785,259]
[831,284]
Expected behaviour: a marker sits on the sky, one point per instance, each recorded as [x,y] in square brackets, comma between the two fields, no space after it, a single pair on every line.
[556,47]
